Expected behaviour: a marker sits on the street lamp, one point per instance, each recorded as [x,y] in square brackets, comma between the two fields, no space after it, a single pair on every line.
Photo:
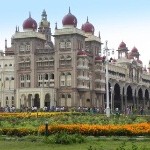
[107,52]
[111,89]
[46,128]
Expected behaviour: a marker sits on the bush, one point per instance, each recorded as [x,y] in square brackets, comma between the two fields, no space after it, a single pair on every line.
[64,138]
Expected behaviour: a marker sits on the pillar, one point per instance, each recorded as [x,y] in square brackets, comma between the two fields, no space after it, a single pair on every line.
[125,101]
[42,98]
[122,105]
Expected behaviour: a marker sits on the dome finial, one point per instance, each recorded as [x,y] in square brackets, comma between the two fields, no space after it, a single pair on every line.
[87,19]
[16,28]
[56,25]
[29,14]
[5,43]
[99,35]
[69,10]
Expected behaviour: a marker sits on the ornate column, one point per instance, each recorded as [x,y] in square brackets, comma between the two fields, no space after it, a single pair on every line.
[32,99]
[125,97]
[112,95]
[137,98]
[143,92]
[42,98]
[121,96]
[133,95]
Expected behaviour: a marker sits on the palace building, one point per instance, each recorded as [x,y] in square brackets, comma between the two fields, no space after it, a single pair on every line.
[69,72]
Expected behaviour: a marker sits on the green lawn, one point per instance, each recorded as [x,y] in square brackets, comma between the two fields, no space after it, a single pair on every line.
[96,143]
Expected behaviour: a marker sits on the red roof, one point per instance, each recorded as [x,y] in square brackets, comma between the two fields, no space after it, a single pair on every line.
[88,27]
[83,53]
[30,24]
[98,58]
[122,45]
[134,50]
[139,61]
[69,19]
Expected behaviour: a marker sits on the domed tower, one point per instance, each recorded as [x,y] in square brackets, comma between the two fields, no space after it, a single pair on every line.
[87,27]
[26,48]
[69,20]
[93,47]
[135,53]
[122,50]
[29,24]
[72,63]
[44,26]
[92,42]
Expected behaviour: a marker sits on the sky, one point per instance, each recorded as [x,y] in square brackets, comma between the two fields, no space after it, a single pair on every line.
[117,20]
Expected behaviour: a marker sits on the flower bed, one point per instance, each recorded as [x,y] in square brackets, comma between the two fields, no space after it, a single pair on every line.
[32,114]
[28,123]
[100,130]
[142,129]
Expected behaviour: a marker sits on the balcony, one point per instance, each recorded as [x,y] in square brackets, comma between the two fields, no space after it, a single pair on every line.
[100,71]
[100,81]
[82,67]
[100,90]
[82,88]
[83,78]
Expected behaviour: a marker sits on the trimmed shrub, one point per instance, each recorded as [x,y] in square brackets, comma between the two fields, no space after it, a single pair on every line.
[64,138]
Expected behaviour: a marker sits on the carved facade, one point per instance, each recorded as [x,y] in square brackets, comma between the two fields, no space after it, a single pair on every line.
[71,72]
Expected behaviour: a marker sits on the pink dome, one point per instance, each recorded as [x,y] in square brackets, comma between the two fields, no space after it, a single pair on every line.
[98,58]
[130,56]
[134,50]
[69,19]
[139,61]
[88,27]
[30,23]
[114,60]
[82,53]
[122,45]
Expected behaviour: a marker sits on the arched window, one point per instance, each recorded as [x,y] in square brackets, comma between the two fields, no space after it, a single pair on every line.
[12,78]
[62,60]
[68,79]
[62,96]
[68,60]
[22,47]
[62,45]
[68,44]
[62,79]
[69,100]
[69,95]
[52,76]
[22,77]
[28,47]
[28,77]
[46,76]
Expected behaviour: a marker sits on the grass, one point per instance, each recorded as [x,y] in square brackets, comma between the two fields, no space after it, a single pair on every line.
[105,143]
